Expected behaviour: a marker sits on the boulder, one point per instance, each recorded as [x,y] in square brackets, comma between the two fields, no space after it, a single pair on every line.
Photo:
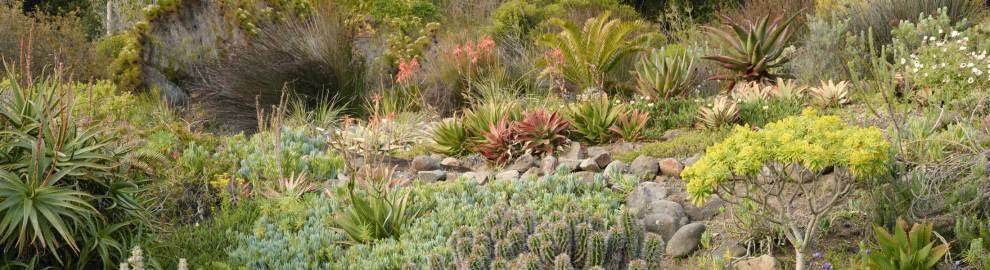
[507,175]
[671,167]
[596,162]
[568,165]
[645,167]
[548,164]
[574,150]
[730,248]
[685,240]
[691,160]
[616,166]
[424,163]
[431,176]
[589,165]
[588,177]
[523,163]
[476,177]
[645,192]
[663,217]
[597,150]
[170,92]
[451,161]
[765,262]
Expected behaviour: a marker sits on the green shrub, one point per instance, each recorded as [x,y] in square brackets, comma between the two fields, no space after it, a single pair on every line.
[593,57]
[905,249]
[684,145]
[666,114]
[480,119]
[665,73]
[205,242]
[629,126]
[592,119]
[763,112]
[53,37]
[378,211]
[451,138]
[521,19]
[880,17]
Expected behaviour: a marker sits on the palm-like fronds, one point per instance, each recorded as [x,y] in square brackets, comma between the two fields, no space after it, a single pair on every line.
[378,212]
[665,74]
[590,54]
[753,50]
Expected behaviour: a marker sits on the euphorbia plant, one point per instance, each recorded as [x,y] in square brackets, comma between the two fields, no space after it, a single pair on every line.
[783,169]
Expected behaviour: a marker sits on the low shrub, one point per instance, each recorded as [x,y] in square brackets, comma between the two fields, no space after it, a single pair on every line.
[45,38]
[522,19]
[880,17]
[684,145]
[905,249]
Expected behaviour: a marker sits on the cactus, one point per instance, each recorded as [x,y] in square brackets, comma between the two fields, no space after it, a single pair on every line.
[562,262]
[597,249]
[637,265]
[499,264]
[653,251]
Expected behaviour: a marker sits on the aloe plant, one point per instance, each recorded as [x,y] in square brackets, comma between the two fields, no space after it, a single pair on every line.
[905,249]
[721,112]
[451,138]
[629,126]
[752,51]
[592,120]
[665,73]
[590,54]
[500,144]
[542,132]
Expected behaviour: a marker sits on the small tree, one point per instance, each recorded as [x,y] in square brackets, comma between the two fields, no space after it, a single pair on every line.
[797,169]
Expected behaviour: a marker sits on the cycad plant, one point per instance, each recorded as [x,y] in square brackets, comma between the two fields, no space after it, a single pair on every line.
[591,55]
[592,120]
[665,73]
[752,51]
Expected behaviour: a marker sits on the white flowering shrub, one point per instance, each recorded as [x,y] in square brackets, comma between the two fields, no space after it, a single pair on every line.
[935,56]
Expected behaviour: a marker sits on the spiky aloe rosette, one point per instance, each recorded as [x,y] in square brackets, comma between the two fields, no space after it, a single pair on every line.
[542,132]
[752,50]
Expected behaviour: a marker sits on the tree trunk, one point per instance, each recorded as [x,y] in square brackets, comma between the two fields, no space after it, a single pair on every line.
[799,258]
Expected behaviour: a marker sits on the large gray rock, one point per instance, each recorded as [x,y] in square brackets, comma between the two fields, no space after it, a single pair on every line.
[531,174]
[170,92]
[548,164]
[451,161]
[765,262]
[568,165]
[685,240]
[476,177]
[424,163]
[645,167]
[645,192]
[712,207]
[729,248]
[523,163]
[507,175]
[597,150]
[574,150]
[588,177]
[671,167]
[431,176]
[663,217]
[691,160]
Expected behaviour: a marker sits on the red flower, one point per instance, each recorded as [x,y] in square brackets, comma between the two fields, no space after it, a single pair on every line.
[487,44]
[406,69]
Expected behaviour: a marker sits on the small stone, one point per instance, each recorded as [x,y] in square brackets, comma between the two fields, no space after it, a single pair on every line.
[711,208]
[765,262]
[596,162]
[616,166]
[588,177]
[424,163]
[691,160]
[685,240]
[645,167]
[507,175]
[569,165]
[574,150]
[451,176]
[671,134]
[671,167]
[589,165]
[431,176]
[596,151]
[476,177]
[548,165]
[451,161]
[523,163]
[532,174]
[730,248]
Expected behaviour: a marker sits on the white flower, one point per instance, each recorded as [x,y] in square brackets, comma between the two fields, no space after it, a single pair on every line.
[977,71]
[940,30]
[926,74]
[943,65]
[651,105]
[962,48]
[970,80]
[903,61]
[969,65]
[914,70]
[954,33]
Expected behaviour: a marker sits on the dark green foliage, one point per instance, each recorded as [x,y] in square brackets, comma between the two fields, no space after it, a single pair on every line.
[762,112]
[592,119]
[206,242]
[572,239]
[914,249]
[752,51]
[880,17]
[523,19]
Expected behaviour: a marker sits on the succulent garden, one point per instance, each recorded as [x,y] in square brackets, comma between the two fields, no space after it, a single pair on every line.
[495,134]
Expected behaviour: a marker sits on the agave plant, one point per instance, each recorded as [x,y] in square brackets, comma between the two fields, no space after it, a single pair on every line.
[751,92]
[831,94]
[451,138]
[478,120]
[723,111]
[292,187]
[905,249]
[592,120]
[753,50]
[665,73]
[589,55]
[542,132]
[629,126]
[379,212]
[789,90]
[500,144]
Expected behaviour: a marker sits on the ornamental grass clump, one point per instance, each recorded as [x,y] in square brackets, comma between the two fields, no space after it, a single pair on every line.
[796,169]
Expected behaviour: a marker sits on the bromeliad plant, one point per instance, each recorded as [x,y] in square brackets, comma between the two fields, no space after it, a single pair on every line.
[782,168]
[905,249]
[723,111]
[590,56]
[542,132]
[665,73]
[501,143]
[830,94]
[753,50]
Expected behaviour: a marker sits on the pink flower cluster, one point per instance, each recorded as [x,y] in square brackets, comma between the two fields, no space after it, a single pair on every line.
[554,56]
[406,70]
[484,48]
